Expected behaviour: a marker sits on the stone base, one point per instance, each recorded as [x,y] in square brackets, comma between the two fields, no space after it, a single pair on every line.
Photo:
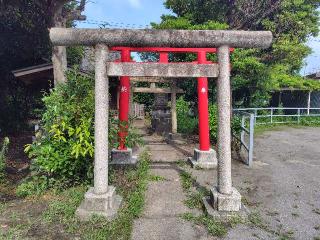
[174,139]
[224,215]
[204,159]
[123,157]
[105,205]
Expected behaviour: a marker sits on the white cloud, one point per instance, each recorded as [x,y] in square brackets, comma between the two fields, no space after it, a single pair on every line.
[135,3]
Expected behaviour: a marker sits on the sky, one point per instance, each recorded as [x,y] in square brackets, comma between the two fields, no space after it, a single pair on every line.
[139,13]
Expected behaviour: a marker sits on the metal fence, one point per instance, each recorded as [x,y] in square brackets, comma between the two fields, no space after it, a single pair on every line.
[280,115]
[246,138]
[138,110]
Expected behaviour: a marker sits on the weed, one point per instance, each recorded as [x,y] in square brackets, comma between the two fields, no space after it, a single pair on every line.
[236,220]
[286,236]
[187,180]
[155,178]
[131,184]
[294,214]
[317,211]
[317,227]
[3,152]
[214,227]
[181,163]
[194,200]
[274,213]
[316,238]
[256,220]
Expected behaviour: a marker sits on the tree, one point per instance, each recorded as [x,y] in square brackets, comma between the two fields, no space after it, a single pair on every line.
[256,72]
[24,41]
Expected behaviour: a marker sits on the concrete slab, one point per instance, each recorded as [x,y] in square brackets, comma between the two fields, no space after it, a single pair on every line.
[168,229]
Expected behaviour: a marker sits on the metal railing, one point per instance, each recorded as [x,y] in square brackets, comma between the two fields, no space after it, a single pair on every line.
[247,132]
[138,110]
[279,115]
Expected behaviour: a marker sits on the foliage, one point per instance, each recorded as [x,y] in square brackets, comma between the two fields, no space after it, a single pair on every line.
[186,123]
[214,227]
[65,150]
[131,184]
[213,122]
[24,40]
[255,72]
[189,125]
[3,152]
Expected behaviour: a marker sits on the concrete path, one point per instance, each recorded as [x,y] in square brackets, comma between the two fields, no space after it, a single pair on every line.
[165,199]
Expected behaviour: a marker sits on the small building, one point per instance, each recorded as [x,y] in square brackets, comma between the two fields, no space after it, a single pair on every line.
[297,98]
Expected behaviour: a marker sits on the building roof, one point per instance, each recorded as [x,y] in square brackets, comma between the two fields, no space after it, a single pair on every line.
[315,75]
[34,74]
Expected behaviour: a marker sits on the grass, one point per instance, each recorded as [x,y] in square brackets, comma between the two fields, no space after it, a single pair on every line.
[155,178]
[195,194]
[187,180]
[260,129]
[60,214]
[3,152]
[317,211]
[214,227]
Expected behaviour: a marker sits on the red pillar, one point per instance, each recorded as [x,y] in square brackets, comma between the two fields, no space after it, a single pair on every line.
[164,57]
[204,139]
[124,102]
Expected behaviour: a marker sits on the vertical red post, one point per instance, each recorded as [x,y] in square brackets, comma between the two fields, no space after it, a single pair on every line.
[124,103]
[204,139]
[164,57]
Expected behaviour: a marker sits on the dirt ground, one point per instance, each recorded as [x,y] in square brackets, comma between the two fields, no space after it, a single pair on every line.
[282,189]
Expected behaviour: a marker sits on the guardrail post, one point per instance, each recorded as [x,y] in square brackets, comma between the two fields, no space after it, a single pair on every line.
[242,130]
[299,115]
[255,116]
[251,143]
[271,115]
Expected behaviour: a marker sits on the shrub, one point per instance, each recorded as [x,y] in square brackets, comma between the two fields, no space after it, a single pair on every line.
[186,123]
[64,152]
[213,123]
[3,152]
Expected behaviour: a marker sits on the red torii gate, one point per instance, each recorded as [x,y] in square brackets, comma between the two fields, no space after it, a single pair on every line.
[204,139]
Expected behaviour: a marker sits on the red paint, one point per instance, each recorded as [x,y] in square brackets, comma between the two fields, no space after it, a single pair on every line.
[124,102]
[164,57]
[204,139]
[167,49]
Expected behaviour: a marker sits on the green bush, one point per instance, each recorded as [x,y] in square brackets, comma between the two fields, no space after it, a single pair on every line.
[64,152]
[186,123]
[213,123]
[3,152]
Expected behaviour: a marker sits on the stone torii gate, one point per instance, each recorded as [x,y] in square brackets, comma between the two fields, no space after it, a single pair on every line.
[102,199]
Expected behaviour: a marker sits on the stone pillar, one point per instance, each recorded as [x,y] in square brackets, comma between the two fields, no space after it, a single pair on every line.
[224,198]
[174,107]
[101,122]
[59,62]
[101,199]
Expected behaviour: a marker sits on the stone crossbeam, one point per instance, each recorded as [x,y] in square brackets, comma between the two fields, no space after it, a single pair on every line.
[160,38]
[155,90]
[162,70]
[150,79]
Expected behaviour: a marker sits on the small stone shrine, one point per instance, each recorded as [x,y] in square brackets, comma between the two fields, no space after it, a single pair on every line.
[161,114]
